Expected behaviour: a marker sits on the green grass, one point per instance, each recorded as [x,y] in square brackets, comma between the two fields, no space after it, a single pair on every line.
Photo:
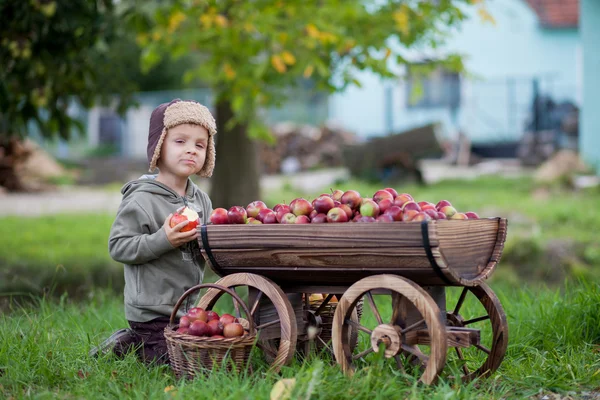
[553,347]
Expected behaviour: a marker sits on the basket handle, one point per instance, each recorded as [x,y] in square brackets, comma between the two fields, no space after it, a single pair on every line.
[227,290]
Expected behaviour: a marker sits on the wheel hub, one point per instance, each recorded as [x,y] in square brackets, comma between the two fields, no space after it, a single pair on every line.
[455,320]
[388,335]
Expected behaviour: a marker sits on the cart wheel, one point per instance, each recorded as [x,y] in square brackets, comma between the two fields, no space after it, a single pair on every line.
[397,330]
[318,318]
[283,321]
[478,308]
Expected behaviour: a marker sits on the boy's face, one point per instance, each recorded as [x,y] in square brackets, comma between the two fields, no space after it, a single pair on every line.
[184,150]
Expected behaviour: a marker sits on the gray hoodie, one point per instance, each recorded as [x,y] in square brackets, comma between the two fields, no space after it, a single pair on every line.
[156,273]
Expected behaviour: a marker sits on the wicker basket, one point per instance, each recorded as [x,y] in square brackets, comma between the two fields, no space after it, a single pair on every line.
[191,355]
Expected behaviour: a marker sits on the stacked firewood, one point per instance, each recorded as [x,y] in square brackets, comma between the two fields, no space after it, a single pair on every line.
[304,147]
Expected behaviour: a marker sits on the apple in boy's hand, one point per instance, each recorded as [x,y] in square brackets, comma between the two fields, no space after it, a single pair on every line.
[187,214]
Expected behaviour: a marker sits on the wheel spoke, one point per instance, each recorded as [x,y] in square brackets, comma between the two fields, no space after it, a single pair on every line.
[461,299]
[413,326]
[325,344]
[483,348]
[256,302]
[415,352]
[266,349]
[399,363]
[324,303]
[268,324]
[472,321]
[374,307]
[395,308]
[462,358]
[358,326]
[362,353]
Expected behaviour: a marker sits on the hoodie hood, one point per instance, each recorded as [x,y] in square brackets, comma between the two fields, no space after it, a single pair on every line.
[149,184]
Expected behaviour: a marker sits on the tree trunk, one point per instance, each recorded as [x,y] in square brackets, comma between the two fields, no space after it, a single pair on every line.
[235,180]
[11,153]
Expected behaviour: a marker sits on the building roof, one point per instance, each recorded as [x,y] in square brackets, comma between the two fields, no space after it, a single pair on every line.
[556,13]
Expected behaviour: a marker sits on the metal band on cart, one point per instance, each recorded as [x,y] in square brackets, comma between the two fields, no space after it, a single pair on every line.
[430,257]
[211,258]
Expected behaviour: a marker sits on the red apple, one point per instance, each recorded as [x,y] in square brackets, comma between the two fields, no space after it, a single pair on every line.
[441,215]
[288,218]
[233,329]
[442,203]
[336,203]
[386,218]
[337,214]
[319,219]
[301,207]
[187,214]
[281,211]
[421,216]
[269,218]
[185,331]
[351,198]
[385,204]
[432,213]
[458,216]
[199,328]
[410,205]
[402,198]
[323,204]
[219,216]
[357,216]
[184,322]
[409,215]
[277,206]
[392,192]
[395,212]
[197,314]
[364,219]
[302,219]
[227,319]
[237,215]
[254,208]
[253,221]
[449,211]
[369,208]
[262,213]
[212,315]
[216,327]
[312,214]
[425,205]
[472,215]
[381,195]
[337,195]
[348,210]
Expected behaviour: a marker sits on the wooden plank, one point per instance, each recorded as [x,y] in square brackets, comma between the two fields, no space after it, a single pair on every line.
[347,235]
[455,337]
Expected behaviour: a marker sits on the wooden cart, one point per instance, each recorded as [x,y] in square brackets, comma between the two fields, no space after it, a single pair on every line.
[411,266]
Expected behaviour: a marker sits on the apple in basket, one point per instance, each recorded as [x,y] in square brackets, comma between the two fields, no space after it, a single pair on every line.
[185,322]
[215,327]
[212,315]
[234,329]
[227,319]
[219,216]
[199,328]
[187,214]
[197,314]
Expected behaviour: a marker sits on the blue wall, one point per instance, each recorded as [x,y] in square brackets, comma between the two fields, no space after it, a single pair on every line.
[589,140]
[495,104]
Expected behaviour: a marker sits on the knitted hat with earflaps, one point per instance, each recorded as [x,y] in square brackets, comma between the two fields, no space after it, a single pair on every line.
[177,112]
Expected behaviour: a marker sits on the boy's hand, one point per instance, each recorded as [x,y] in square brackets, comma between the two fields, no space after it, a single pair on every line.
[174,234]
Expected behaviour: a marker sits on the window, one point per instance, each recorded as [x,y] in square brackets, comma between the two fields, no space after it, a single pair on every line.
[440,88]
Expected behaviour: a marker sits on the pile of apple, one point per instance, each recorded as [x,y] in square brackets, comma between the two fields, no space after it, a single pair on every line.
[386,205]
[199,322]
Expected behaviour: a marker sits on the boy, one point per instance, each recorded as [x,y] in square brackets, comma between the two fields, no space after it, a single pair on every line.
[161,262]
